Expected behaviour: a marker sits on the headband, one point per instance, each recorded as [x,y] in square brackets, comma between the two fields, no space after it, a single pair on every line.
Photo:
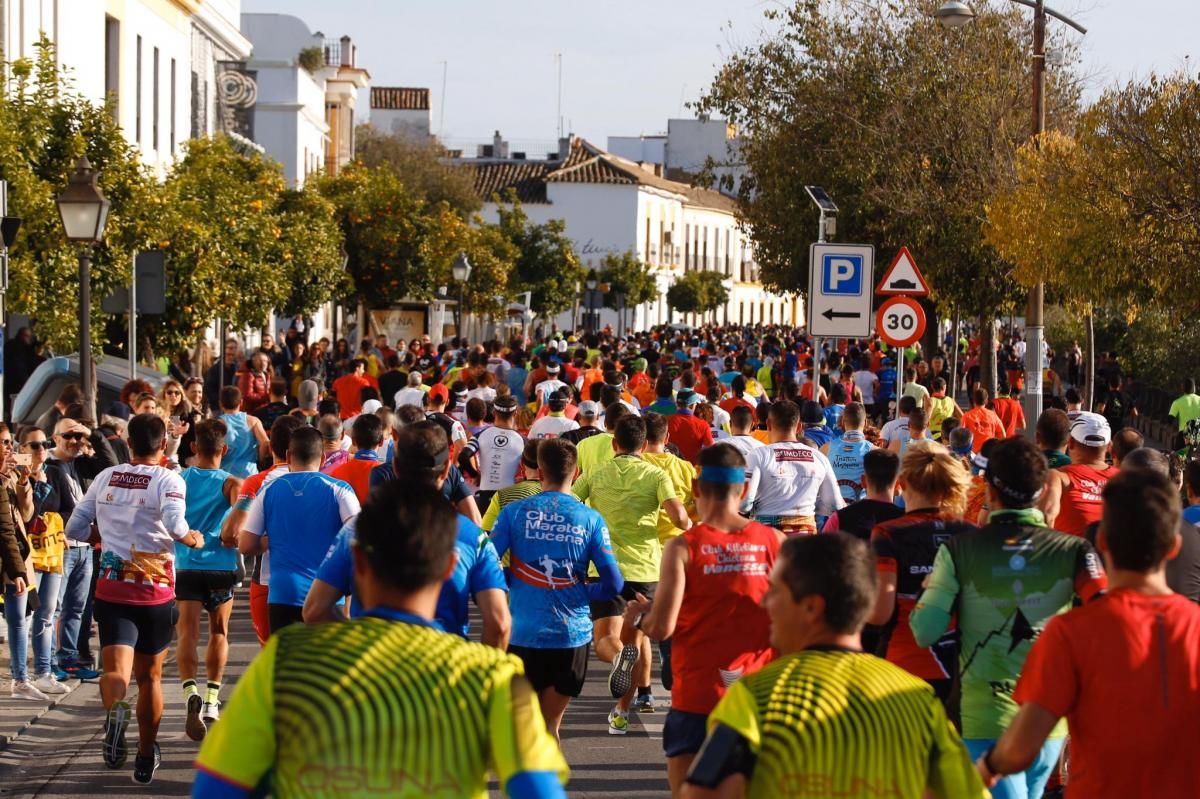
[1016,497]
[727,475]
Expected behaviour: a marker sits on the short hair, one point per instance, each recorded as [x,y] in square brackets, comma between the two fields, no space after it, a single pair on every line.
[281,434]
[357,362]
[146,432]
[210,437]
[838,568]
[556,459]
[304,445]
[656,427]
[279,387]
[906,404]
[1141,519]
[367,431]
[420,453]
[230,398]
[630,433]
[960,437]
[1017,471]
[1146,458]
[939,384]
[408,414]
[742,418]
[1125,441]
[1189,385]
[837,394]
[664,388]
[1054,428]
[529,453]
[613,414]
[918,419]
[979,397]
[854,415]
[881,469]
[330,427]
[784,415]
[722,456]
[72,393]
[1072,396]
[408,535]
[476,409]
[414,379]
[329,407]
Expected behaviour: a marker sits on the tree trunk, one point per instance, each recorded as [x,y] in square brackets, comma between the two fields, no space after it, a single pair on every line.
[987,355]
[954,355]
[1089,365]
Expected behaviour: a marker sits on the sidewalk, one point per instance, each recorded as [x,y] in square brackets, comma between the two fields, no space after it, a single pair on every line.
[17,715]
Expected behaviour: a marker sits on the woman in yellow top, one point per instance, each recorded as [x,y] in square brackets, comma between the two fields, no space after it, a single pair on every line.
[943,407]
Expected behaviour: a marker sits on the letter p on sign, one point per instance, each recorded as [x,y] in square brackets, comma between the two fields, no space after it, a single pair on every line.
[842,275]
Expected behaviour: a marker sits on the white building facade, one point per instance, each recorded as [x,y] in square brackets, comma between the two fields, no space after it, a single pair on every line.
[685,150]
[611,205]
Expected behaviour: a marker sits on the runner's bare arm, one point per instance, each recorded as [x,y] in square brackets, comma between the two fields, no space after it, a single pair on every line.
[1051,502]
[497,621]
[659,620]
[1019,745]
[885,600]
[321,603]
[677,513]
[468,508]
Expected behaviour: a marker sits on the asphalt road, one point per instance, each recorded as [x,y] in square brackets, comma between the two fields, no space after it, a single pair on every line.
[58,754]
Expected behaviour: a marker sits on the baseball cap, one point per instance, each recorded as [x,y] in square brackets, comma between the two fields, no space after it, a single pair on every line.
[687,396]
[439,392]
[505,404]
[557,400]
[589,409]
[371,405]
[118,409]
[1091,429]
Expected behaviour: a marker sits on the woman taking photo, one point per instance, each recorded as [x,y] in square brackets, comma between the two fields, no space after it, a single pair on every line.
[178,410]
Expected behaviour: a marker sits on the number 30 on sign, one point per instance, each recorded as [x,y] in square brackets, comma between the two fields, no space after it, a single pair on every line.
[900,321]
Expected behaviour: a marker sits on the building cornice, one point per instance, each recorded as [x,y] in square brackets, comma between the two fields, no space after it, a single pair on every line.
[223,31]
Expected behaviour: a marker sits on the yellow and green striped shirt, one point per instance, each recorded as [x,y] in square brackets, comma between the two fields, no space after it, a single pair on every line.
[826,723]
[374,707]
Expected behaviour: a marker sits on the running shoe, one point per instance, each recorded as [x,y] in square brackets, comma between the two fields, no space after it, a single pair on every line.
[195,726]
[144,766]
[49,684]
[643,703]
[618,722]
[211,713]
[81,672]
[115,724]
[59,674]
[620,679]
[24,689]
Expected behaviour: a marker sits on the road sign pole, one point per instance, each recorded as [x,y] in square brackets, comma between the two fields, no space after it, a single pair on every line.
[899,382]
[133,318]
[816,367]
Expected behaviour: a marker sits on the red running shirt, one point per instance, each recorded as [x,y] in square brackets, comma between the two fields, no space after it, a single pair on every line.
[1081,502]
[722,632]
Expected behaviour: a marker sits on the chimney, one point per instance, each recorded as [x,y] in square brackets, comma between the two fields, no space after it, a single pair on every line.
[564,146]
[347,50]
[499,146]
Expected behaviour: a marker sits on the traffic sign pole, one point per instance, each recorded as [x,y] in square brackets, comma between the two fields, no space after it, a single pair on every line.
[899,383]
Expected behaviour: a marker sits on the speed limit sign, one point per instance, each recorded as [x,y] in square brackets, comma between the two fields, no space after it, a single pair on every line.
[900,321]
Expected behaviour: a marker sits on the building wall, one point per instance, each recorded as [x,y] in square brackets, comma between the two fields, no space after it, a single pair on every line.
[648,149]
[412,123]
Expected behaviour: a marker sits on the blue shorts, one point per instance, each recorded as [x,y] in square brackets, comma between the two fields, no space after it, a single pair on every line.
[683,732]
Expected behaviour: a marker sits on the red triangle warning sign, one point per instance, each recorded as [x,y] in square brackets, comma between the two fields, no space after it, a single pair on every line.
[903,277]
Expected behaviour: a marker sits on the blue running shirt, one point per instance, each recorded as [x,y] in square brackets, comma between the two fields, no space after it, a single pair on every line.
[301,514]
[846,457]
[207,507]
[552,537]
[478,569]
[242,458]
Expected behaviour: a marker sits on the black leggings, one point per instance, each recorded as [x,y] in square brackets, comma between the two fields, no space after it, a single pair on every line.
[280,616]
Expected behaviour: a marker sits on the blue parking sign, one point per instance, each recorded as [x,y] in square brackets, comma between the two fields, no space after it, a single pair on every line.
[842,275]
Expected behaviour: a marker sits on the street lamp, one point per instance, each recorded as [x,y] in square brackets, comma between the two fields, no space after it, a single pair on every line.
[84,211]
[461,271]
[956,14]
[590,283]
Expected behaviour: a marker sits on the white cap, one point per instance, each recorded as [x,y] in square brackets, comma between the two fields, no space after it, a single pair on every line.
[371,405]
[1091,429]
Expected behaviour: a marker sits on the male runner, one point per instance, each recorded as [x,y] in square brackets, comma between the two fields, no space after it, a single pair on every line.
[367,432]
[281,433]
[880,470]
[140,512]
[629,491]
[496,451]
[524,489]
[709,605]
[552,537]
[205,578]
[846,453]
[893,427]
[299,513]
[1072,498]
[453,711]
[1003,584]
[825,719]
[741,422]
[555,422]
[790,483]
[1122,669]
[423,459]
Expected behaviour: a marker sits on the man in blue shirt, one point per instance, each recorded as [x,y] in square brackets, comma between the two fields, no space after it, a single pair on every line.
[299,514]
[552,537]
[423,459]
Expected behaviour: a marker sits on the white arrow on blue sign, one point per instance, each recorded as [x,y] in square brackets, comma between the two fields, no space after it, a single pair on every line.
[841,284]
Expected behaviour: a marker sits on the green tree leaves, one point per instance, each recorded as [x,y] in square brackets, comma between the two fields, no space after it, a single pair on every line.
[698,293]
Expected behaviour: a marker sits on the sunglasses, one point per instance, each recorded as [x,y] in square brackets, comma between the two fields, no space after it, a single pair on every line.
[6,442]
[173,392]
[38,444]
[73,436]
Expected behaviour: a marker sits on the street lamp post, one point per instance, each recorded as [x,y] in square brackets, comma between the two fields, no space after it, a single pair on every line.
[956,14]
[590,284]
[84,212]
[461,270]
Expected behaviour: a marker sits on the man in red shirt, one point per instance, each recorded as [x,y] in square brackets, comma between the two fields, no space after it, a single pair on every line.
[367,433]
[1009,410]
[1072,498]
[688,432]
[982,421]
[1122,668]
[348,388]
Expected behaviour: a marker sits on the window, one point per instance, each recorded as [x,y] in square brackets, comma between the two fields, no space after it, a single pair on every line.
[172,106]
[112,65]
[646,246]
[154,104]
[704,257]
[137,132]
[741,313]
[687,247]
[727,269]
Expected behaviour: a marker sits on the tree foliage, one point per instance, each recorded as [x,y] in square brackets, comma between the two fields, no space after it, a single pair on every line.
[698,293]
[911,128]
[629,277]
[546,264]
[419,165]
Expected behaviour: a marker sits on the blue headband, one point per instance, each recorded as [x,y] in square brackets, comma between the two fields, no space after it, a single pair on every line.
[728,475]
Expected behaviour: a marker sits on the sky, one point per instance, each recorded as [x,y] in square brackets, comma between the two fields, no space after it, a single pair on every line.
[629,65]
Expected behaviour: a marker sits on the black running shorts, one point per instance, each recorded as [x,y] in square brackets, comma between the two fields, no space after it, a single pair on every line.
[147,628]
[564,670]
[616,606]
[210,588]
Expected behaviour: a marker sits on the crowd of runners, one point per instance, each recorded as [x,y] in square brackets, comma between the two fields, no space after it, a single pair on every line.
[852,584]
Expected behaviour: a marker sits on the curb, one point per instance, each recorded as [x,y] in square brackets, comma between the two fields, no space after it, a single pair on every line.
[6,739]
